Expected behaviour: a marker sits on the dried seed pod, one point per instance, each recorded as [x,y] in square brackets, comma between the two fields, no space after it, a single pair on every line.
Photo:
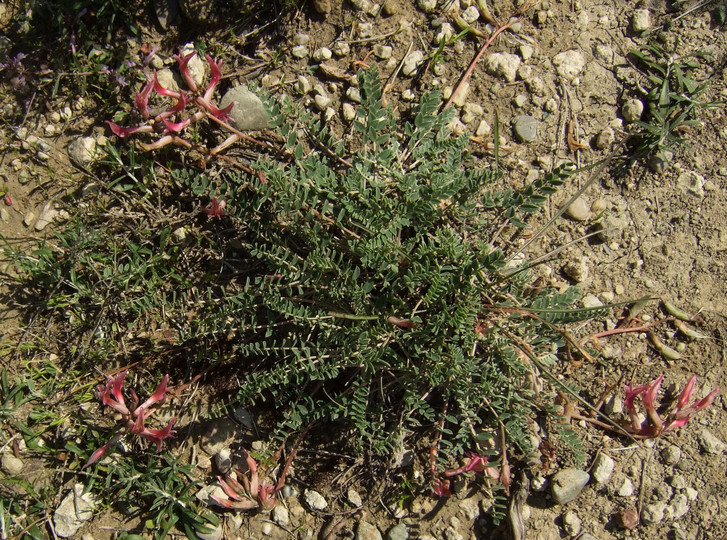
[676,312]
[666,351]
[689,332]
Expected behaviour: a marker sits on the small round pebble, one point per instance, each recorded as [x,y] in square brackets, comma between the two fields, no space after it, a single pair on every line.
[299,51]
[632,110]
[641,20]
[671,454]
[579,210]
[315,500]
[603,467]
[525,128]
[567,484]
[367,531]
[398,532]
[571,523]
[653,512]
[322,54]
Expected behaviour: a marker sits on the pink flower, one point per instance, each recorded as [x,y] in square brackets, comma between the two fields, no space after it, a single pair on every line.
[183,61]
[175,127]
[216,76]
[181,104]
[123,132]
[221,114]
[141,99]
[111,393]
[159,89]
[216,209]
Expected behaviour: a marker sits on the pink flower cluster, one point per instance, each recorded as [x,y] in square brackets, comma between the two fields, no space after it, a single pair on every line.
[654,425]
[248,495]
[165,121]
[476,463]
[135,417]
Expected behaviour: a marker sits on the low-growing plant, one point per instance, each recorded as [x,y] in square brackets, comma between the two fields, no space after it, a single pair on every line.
[372,285]
[672,99]
[135,416]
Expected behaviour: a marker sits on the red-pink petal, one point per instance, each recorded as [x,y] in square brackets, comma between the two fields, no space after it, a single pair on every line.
[686,393]
[158,395]
[631,394]
[651,393]
[175,127]
[159,89]
[122,131]
[183,61]
[180,105]
[141,99]
[706,401]
[97,455]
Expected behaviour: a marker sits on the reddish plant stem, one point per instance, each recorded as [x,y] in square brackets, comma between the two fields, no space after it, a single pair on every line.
[476,59]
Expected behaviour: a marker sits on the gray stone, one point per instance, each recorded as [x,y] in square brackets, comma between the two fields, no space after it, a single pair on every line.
[503,65]
[349,112]
[354,498]
[280,515]
[571,523]
[411,63]
[301,39]
[341,48]
[653,512]
[322,54]
[610,228]
[641,20]
[605,138]
[427,6]
[591,301]
[390,7]
[299,52]
[168,79]
[83,151]
[471,112]
[471,14]
[367,531]
[577,270]
[267,529]
[626,489]
[322,6]
[632,110]
[567,484]
[383,51]
[671,454]
[398,532]
[469,508]
[11,464]
[75,509]
[602,469]
[569,64]
[248,113]
[322,102]
[47,215]
[710,443]
[525,128]
[450,533]
[691,183]
[579,210]
[204,495]
[354,94]
[167,12]
[315,500]
[660,162]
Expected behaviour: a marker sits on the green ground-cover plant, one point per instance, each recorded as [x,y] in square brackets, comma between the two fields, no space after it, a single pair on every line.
[360,288]
[672,99]
[369,291]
